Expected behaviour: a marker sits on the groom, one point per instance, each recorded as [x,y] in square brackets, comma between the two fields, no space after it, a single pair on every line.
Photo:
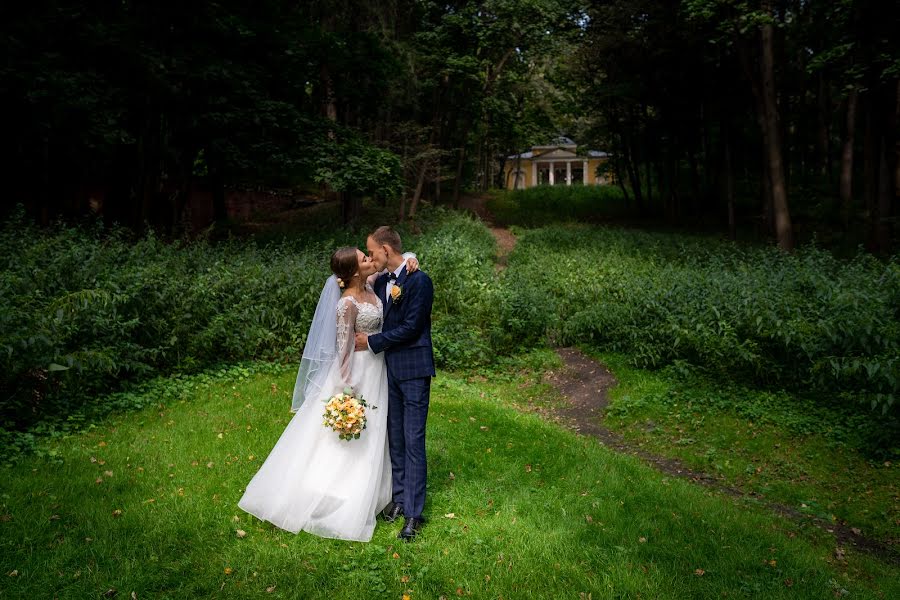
[405,340]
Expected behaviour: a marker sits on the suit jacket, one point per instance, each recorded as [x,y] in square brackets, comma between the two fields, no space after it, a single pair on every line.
[405,338]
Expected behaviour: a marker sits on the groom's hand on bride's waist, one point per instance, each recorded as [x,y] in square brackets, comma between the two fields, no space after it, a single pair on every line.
[362,342]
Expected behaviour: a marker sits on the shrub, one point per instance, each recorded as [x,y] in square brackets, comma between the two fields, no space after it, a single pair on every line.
[801,321]
[538,206]
[84,311]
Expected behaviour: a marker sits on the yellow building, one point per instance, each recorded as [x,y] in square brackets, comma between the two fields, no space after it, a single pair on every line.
[555,164]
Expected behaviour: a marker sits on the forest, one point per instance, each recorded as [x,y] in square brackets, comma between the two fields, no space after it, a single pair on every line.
[775,117]
[679,383]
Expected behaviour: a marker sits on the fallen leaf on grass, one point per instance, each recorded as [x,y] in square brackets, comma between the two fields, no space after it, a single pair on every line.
[395,555]
[101,445]
[642,540]
[229,570]
[450,516]
[110,593]
[528,468]
[241,533]
[270,589]
[404,579]
[107,473]
[117,512]
[406,597]
[452,476]
[699,572]
[98,481]
[14,573]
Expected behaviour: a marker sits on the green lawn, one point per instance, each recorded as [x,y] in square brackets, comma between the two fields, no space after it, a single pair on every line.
[518,508]
[759,445]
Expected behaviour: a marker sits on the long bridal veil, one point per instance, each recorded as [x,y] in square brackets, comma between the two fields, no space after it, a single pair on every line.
[321,347]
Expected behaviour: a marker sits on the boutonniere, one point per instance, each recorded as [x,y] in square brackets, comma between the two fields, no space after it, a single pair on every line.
[396,294]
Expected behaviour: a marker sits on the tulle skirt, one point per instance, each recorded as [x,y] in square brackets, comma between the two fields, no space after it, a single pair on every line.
[316,482]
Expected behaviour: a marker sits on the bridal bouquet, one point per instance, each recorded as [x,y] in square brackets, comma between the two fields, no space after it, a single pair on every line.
[345,414]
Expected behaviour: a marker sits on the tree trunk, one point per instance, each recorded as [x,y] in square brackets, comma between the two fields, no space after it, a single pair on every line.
[420,183]
[768,206]
[729,187]
[351,206]
[824,134]
[635,180]
[616,163]
[772,136]
[220,212]
[696,194]
[887,166]
[871,158]
[846,177]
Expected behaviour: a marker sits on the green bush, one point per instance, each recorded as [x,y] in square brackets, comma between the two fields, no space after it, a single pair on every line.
[84,311]
[805,321]
[459,258]
[538,206]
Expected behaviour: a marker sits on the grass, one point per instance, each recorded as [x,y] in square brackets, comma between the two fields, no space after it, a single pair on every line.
[783,449]
[518,508]
[537,206]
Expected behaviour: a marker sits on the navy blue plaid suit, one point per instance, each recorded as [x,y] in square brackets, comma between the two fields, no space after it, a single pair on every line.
[406,342]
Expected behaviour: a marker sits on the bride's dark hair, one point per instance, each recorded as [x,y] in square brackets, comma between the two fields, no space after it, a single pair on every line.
[344,264]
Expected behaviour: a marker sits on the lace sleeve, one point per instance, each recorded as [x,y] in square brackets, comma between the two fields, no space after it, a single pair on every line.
[346,341]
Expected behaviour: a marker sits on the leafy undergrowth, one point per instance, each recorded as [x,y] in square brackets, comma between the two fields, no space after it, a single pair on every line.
[796,453]
[518,508]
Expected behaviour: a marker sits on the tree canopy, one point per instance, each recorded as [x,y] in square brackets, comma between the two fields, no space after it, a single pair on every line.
[776,112]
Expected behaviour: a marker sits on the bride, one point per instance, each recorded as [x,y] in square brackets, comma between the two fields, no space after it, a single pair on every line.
[313,480]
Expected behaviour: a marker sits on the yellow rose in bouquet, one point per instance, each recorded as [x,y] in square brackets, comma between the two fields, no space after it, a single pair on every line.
[345,413]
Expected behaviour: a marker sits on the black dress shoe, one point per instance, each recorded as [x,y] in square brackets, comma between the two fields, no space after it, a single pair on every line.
[410,528]
[391,512]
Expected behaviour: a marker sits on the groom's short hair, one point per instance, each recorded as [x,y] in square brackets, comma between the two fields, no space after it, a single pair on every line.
[385,236]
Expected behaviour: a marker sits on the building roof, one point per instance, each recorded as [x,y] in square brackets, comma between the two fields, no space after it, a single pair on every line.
[569,144]
[559,142]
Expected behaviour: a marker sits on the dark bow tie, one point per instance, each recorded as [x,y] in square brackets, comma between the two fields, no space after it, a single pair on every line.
[392,276]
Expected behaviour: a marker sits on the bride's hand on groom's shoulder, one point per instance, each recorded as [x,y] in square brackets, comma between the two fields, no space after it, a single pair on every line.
[412,265]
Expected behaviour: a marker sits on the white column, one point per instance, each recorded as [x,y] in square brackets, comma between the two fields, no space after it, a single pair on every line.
[568,172]
[534,180]
[584,174]
[551,173]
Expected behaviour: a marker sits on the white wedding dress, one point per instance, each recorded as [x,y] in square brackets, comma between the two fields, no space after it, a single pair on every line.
[314,481]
